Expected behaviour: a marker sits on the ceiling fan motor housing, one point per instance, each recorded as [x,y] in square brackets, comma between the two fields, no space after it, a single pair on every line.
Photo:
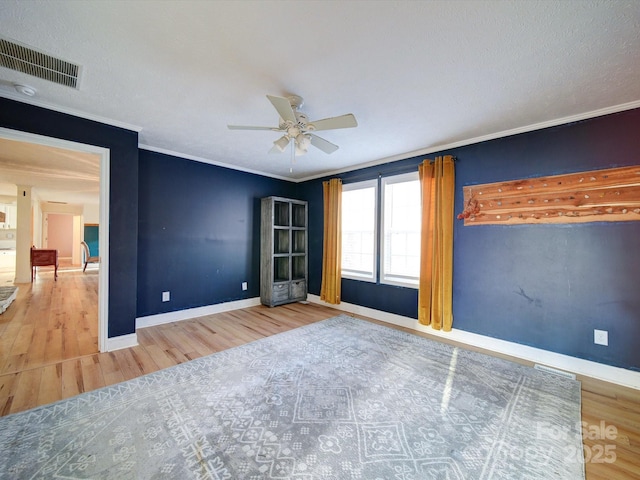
[303,120]
[298,129]
[296,101]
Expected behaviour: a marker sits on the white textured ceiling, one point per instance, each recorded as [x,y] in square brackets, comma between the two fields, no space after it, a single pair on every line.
[418,75]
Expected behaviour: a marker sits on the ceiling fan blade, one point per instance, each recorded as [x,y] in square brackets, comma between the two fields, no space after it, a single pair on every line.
[322,144]
[283,106]
[247,127]
[343,121]
[275,149]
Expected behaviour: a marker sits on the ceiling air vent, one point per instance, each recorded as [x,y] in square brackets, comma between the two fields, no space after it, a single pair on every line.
[27,60]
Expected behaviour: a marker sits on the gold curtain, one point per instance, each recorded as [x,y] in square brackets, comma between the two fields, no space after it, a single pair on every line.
[332,241]
[437,181]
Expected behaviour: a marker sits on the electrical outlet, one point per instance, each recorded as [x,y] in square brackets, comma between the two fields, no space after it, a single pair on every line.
[244,285]
[166,296]
[601,337]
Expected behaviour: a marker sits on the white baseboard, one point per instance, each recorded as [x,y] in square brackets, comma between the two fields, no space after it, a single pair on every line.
[123,341]
[579,366]
[162,318]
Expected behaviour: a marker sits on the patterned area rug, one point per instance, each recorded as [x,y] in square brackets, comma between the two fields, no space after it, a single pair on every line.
[339,399]
[7,295]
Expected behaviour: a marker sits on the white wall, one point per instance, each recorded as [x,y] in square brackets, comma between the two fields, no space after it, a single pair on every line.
[61,208]
[92,213]
[37,224]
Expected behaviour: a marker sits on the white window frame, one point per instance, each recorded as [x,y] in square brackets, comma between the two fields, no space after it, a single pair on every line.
[391,279]
[358,275]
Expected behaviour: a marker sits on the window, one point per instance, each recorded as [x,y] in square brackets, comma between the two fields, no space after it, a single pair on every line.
[359,230]
[401,219]
[397,250]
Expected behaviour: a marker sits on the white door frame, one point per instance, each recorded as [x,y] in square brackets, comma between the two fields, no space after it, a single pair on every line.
[103,235]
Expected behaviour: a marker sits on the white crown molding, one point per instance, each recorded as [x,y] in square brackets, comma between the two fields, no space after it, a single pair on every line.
[189,313]
[492,136]
[579,366]
[425,151]
[150,148]
[402,156]
[69,111]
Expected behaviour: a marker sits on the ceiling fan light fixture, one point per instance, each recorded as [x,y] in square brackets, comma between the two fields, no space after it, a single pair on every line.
[281,143]
[303,141]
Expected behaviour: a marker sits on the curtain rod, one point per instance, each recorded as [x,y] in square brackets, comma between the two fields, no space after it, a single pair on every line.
[387,173]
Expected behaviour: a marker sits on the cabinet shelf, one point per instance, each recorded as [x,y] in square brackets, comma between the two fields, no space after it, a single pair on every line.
[281,214]
[299,215]
[283,255]
[280,241]
[299,241]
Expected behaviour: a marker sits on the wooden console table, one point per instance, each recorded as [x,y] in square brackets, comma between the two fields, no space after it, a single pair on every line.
[41,258]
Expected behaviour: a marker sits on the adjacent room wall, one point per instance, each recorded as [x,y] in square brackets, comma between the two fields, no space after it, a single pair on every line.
[547,286]
[60,234]
[91,213]
[198,232]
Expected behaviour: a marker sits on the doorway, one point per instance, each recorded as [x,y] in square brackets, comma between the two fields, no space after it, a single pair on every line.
[62,232]
[103,154]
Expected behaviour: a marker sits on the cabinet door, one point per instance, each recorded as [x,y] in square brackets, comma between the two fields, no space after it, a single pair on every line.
[12,216]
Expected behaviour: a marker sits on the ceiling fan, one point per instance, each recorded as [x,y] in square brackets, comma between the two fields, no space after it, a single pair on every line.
[296,126]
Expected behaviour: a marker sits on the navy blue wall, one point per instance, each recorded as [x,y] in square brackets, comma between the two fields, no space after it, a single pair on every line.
[387,298]
[123,195]
[199,232]
[546,286]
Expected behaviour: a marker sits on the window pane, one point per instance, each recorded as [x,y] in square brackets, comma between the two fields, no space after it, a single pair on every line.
[358,231]
[401,230]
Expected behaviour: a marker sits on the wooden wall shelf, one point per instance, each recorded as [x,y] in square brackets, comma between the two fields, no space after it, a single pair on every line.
[610,195]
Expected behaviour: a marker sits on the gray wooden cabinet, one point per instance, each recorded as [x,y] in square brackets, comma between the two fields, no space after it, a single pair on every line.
[283,251]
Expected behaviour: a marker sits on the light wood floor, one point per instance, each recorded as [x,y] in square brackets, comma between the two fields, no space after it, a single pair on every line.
[38,373]
[50,321]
